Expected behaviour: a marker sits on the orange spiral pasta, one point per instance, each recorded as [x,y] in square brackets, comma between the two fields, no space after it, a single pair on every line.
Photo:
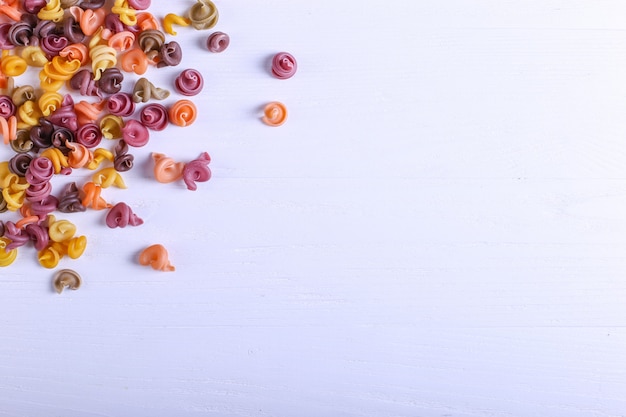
[146,21]
[79,155]
[183,113]
[88,112]
[275,114]
[13,65]
[75,51]
[92,197]
[122,41]
[166,170]
[56,72]
[135,61]
[8,128]
[89,20]
[157,257]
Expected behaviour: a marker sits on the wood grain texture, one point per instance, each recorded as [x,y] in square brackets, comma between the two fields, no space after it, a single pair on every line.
[438,229]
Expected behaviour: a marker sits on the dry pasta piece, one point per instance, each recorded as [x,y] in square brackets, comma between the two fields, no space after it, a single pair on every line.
[111,126]
[79,155]
[92,197]
[7,257]
[166,170]
[61,230]
[28,115]
[102,57]
[128,16]
[146,21]
[76,247]
[275,114]
[107,177]
[203,15]
[13,65]
[171,19]
[99,156]
[183,113]
[51,11]
[157,257]
[34,56]
[58,159]
[88,112]
[8,129]
[135,61]
[66,278]
[77,51]
[122,41]
[49,102]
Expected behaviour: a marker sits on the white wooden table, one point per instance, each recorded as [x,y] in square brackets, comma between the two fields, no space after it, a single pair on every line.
[439,229]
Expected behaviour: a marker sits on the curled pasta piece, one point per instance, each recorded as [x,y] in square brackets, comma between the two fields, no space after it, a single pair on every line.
[21,33]
[99,156]
[34,56]
[61,230]
[22,142]
[13,65]
[166,170]
[84,82]
[7,256]
[36,233]
[23,94]
[111,81]
[197,171]
[89,135]
[170,54]
[274,114]
[37,193]
[72,30]
[45,206]
[217,42]
[19,163]
[203,15]
[171,19]
[69,201]
[107,177]
[90,20]
[7,108]
[183,113]
[79,155]
[28,114]
[16,235]
[157,257]
[50,256]
[88,112]
[8,128]
[284,65]
[135,61]
[49,102]
[76,51]
[151,41]
[76,247]
[40,170]
[154,116]
[60,69]
[189,82]
[51,11]
[146,21]
[58,159]
[111,126]
[122,41]
[13,199]
[123,160]
[65,115]
[10,11]
[127,15]
[66,278]
[121,104]
[102,57]
[121,215]
[135,134]
[92,197]
[144,91]
[139,4]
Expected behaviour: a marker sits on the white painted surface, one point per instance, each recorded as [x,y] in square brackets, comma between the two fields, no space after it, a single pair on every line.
[438,230]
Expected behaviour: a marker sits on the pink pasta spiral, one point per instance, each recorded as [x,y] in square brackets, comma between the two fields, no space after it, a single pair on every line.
[135,134]
[197,171]
[218,42]
[189,82]
[154,116]
[121,215]
[284,65]
[121,104]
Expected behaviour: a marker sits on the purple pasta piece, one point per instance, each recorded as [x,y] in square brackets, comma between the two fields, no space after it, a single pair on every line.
[171,54]
[41,135]
[154,116]
[135,134]
[89,135]
[20,34]
[33,6]
[19,163]
[197,171]
[52,44]
[121,104]
[113,23]
[44,207]
[60,137]
[39,171]
[38,235]
[92,4]
[218,42]
[65,116]
[189,82]
[44,28]
[5,39]
[121,215]
[123,161]
[72,30]
[70,201]
[110,81]
[15,235]
[7,108]
[38,192]
[83,81]
[1,228]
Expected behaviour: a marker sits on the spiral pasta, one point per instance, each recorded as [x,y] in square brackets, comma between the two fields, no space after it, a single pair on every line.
[111,126]
[51,11]
[183,113]
[13,65]
[127,15]
[49,102]
[144,90]
[171,19]
[203,15]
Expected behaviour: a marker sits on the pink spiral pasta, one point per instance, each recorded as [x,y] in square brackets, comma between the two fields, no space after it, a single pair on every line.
[284,65]
[218,42]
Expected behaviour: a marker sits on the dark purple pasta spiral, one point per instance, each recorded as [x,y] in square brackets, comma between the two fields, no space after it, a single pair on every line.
[123,160]
[189,82]
[53,44]
[113,23]
[171,54]
[33,6]
[19,163]
[44,28]
[15,235]
[65,116]
[38,235]
[92,4]
[110,81]
[20,34]
[5,39]
[72,30]
[154,116]
[69,201]
[83,81]
[60,137]
[45,206]
[41,135]
[121,215]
